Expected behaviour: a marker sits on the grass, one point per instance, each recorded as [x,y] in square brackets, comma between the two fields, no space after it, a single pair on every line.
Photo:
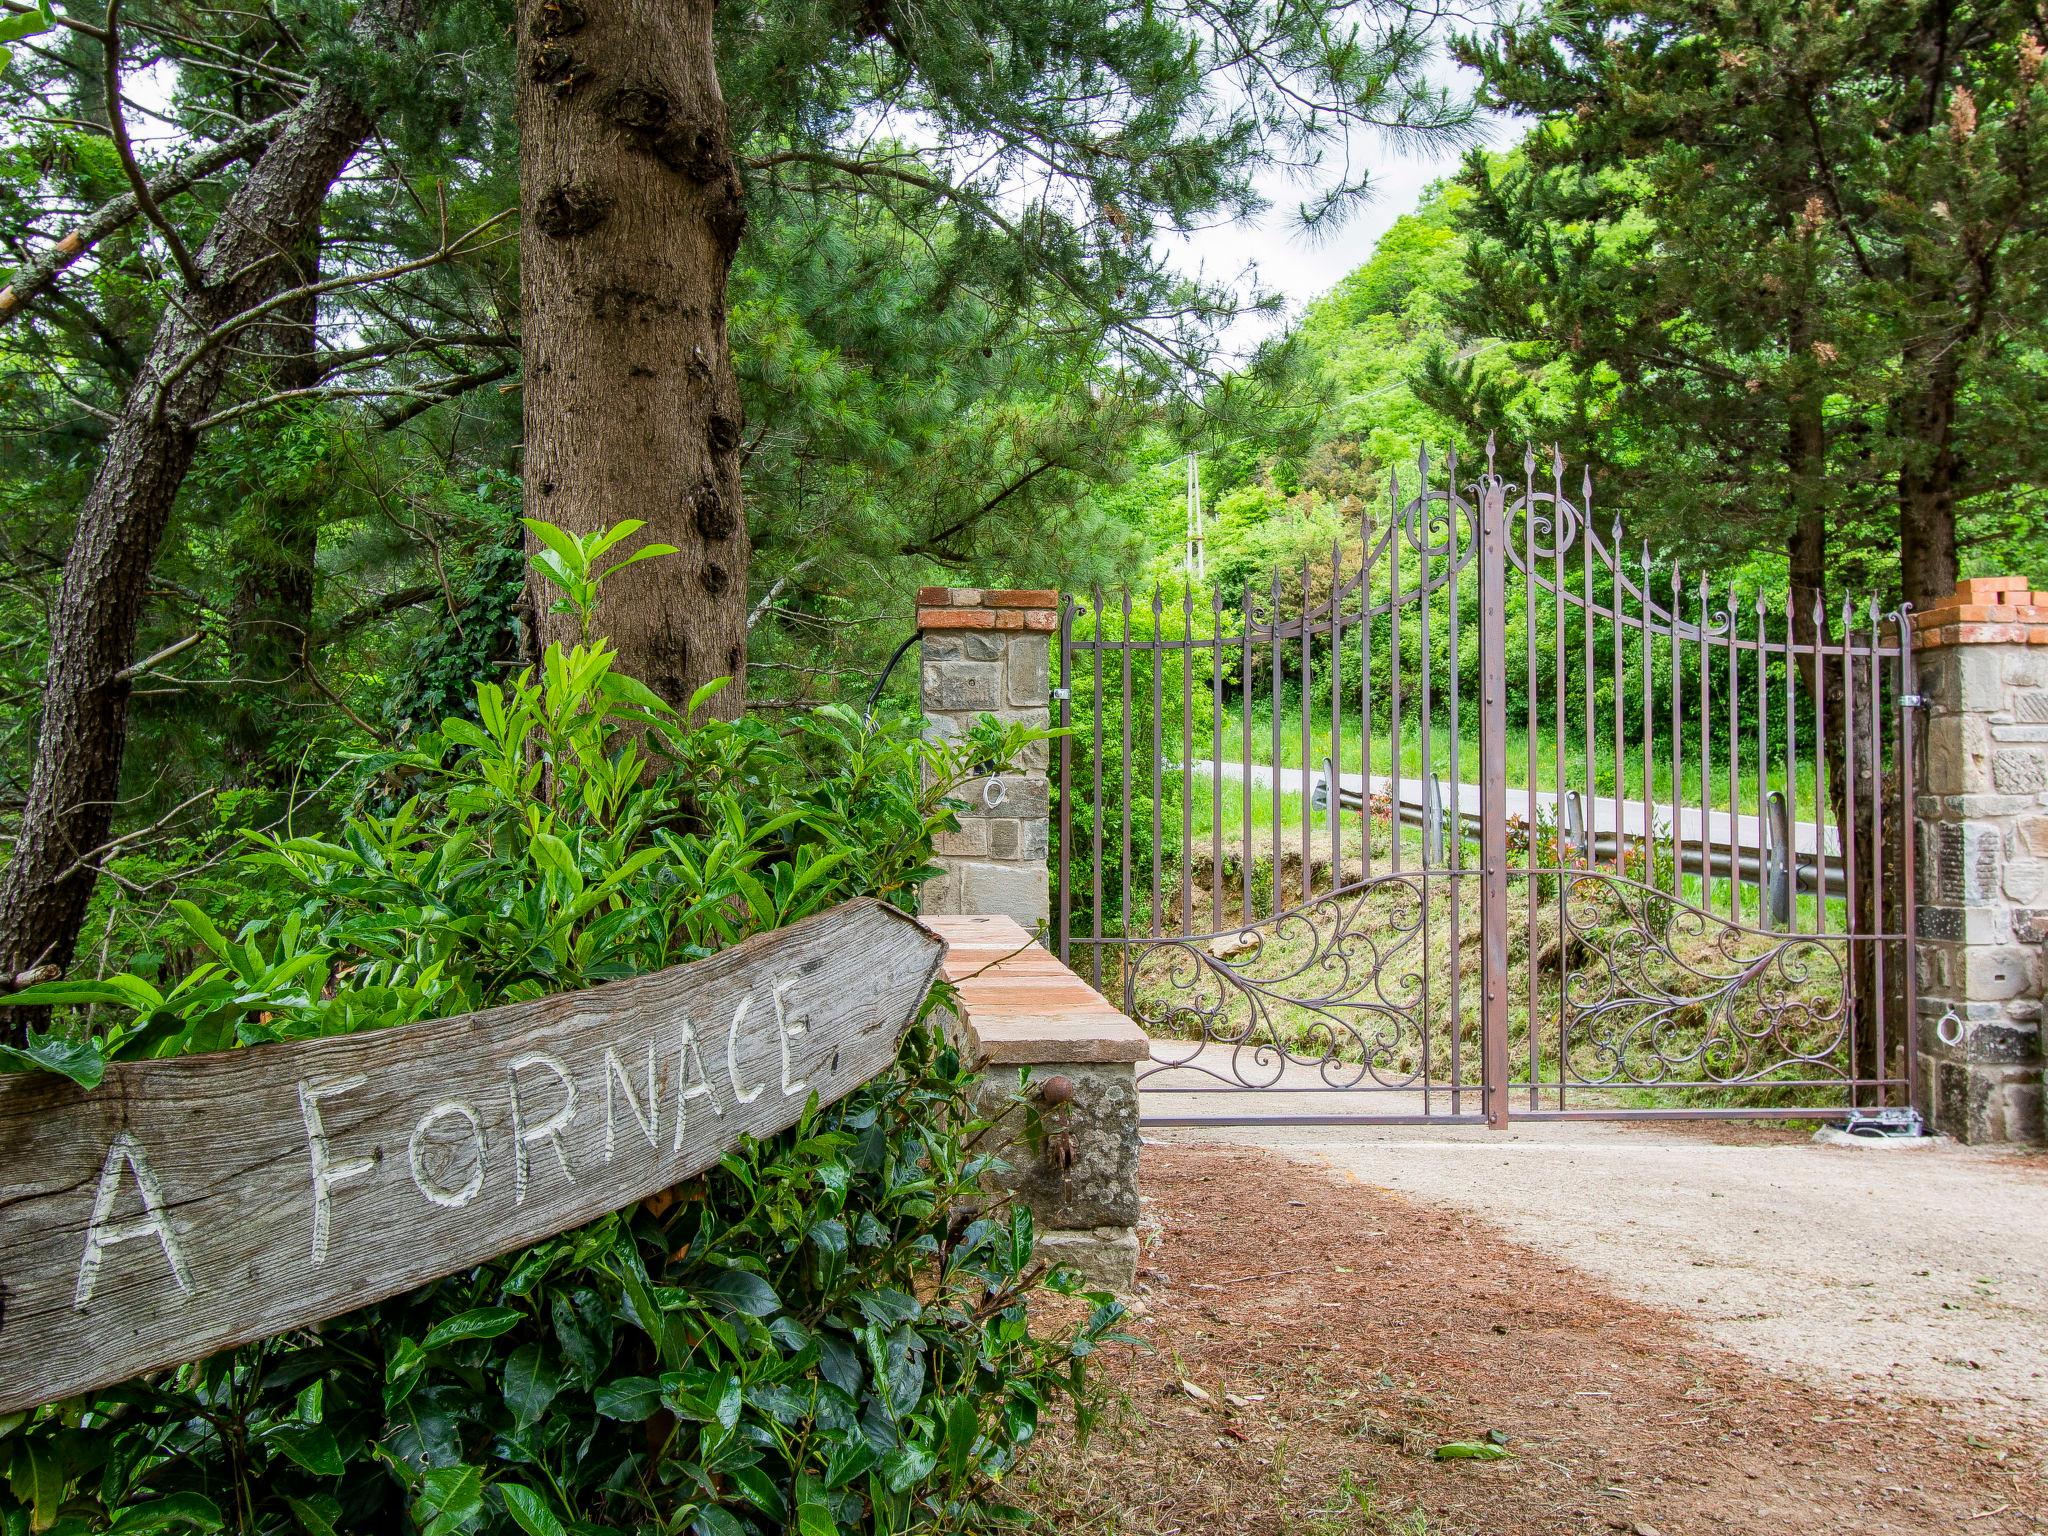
[1210,822]
[1524,768]
[1618,987]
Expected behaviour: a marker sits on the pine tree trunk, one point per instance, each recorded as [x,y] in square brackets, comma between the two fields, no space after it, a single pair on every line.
[272,549]
[1928,472]
[84,725]
[630,213]
[1845,756]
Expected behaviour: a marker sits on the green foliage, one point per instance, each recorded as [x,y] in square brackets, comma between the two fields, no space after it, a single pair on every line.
[808,1340]
[829,1332]
[1784,259]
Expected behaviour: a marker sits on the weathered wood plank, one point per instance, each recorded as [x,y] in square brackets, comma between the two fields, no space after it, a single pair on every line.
[191,1204]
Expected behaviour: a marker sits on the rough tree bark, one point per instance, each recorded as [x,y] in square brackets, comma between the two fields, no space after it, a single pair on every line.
[1928,475]
[631,210]
[1846,756]
[121,521]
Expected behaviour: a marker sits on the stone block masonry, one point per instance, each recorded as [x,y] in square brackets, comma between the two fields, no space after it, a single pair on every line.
[1046,1038]
[1982,816]
[990,653]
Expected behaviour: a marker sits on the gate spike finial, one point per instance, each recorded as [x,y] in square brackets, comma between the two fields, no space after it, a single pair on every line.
[1528,465]
[1489,453]
[1422,465]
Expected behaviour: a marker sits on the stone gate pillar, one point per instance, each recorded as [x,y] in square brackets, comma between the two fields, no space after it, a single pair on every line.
[1982,657]
[990,653]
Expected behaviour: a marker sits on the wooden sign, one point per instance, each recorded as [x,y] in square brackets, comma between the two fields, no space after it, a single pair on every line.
[186,1205]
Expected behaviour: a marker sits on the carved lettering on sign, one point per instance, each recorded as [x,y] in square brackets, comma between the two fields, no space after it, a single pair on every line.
[432,1155]
[203,1201]
[102,1233]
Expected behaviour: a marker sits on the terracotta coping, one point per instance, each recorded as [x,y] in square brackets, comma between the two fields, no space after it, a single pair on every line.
[979,608]
[1984,610]
[1022,1006]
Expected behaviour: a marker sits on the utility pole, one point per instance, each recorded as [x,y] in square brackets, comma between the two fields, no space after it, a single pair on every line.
[1197,559]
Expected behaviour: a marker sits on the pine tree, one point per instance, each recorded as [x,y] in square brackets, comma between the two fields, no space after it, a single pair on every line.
[1792,254]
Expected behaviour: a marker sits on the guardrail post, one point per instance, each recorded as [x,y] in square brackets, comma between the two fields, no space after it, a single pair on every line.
[990,653]
[1983,860]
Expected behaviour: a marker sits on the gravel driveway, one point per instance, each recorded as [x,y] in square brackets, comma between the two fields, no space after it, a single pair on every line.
[1921,1270]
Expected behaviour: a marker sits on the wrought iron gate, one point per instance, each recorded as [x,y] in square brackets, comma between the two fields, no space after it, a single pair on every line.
[1486,819]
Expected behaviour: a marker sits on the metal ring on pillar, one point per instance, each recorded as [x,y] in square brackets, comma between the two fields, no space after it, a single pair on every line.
[993,794]
[1948,1029]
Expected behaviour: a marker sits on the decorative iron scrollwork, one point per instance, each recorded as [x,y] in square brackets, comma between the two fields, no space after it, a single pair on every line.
[1335,986]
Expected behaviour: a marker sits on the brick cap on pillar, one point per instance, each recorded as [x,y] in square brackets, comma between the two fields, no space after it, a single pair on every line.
[1984,610]
[979,608]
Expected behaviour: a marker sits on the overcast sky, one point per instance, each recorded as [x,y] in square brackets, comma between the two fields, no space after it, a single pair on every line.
[1304,269]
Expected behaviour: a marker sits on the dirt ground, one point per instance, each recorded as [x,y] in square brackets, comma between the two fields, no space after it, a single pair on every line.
[1917,1267]
[1311,1341]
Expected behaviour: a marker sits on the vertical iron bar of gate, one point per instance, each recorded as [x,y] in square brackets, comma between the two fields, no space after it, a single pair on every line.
[1124,709]
[1706,797]
[1095,805]
[1590,796]
[1364,698]
[1187,759]
[1531,853]
[1273,757]
[1821,817]
[1677,744]
[1493,803]
[1613,563]
[1244,680]
[1879,1058]
[1426,768]
[1158,653]
[1792,762]
[1065,696]
[1454,846]
[1734,761]
[1272,775]
[1763,765]
[1308,808]
[1851,825]
[1334,790]
[1394,682]
[1649,845]
[1563,856]
[1216,758]
[1909,891]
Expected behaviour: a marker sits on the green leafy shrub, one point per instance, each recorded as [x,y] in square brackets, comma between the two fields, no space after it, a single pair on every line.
[829,1332]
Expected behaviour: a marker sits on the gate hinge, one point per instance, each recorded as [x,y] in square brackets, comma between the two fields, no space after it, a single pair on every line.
[1912,701]
[1062,695]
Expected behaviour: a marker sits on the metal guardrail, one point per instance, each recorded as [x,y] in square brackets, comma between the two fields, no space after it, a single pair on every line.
[1783,874]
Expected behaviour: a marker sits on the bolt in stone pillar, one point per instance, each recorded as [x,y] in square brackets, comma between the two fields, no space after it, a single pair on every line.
[990,653]
[1982,657]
